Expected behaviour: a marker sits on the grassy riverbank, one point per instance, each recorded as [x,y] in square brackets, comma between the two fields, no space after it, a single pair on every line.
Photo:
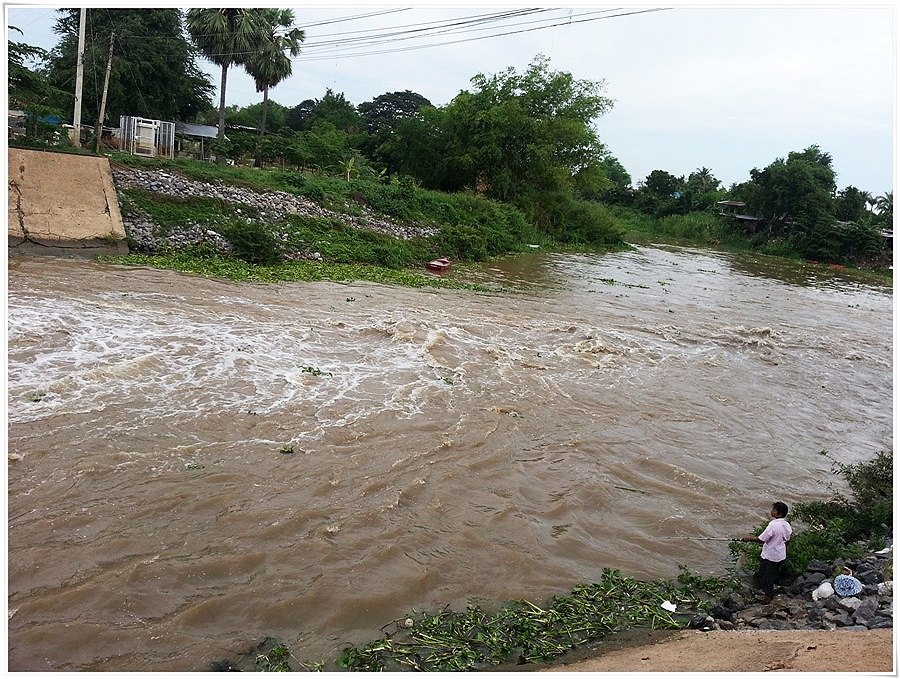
[216,265]
[424,225]
[708,231]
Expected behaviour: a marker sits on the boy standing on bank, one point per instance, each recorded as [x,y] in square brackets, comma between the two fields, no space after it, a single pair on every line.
[774,540]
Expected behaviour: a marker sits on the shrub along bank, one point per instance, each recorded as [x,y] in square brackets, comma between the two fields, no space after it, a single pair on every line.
[268,217]
[199,217]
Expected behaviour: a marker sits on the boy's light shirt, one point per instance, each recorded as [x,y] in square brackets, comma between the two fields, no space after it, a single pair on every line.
[776,534]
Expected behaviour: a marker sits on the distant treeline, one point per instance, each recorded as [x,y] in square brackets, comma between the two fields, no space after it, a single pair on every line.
[522,138]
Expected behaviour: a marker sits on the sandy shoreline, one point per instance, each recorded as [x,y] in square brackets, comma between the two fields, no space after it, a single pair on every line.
[744,651]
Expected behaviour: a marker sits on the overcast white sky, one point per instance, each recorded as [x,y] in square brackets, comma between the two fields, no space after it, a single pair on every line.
[723,86]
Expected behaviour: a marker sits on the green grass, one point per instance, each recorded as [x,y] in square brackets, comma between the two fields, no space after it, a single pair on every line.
[502,225]
[467,227]
[231,268]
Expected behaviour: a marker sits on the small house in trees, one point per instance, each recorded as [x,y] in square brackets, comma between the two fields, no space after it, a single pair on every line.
[734,210]
[193,140]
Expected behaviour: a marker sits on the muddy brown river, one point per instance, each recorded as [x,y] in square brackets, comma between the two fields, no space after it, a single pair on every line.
[449,447]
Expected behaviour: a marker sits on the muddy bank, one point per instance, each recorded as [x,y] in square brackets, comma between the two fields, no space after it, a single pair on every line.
[747,651]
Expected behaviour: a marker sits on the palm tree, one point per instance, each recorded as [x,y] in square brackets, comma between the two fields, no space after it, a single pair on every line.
[885,206]
[226,37]
[269,65]
[704,177]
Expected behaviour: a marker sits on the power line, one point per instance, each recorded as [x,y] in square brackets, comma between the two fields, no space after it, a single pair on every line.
[442,23]
[353,18]
[449,31]
[482,37]
[343,47]
[333,48]
[389,30]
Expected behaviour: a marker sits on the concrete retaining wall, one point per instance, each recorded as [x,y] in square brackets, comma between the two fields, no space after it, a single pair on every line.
[63,203]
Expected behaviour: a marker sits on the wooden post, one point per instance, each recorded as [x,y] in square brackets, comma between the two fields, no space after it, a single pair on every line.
[79,78]
[98,128]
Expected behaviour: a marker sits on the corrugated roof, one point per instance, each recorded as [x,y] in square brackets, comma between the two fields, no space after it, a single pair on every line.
[195,130]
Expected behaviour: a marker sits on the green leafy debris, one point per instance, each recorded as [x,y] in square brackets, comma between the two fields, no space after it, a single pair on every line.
[525,632]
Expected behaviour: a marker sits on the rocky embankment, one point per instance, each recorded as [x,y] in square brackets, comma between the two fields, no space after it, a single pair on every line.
[272,207]
[794,608]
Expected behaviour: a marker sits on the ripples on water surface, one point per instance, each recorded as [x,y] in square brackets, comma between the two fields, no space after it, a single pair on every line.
[449,447]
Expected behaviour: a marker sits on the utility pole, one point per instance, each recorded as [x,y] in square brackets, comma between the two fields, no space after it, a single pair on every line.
[79,78]
[98,128]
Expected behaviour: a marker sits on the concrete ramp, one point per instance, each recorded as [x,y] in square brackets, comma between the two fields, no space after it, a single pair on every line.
[62,203]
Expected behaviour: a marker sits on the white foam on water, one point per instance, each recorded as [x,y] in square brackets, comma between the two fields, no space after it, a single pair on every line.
[178,361]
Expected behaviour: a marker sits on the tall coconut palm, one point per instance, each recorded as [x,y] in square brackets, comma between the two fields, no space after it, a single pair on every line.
[226,37]
[704,179]
[269,65]
[885,206]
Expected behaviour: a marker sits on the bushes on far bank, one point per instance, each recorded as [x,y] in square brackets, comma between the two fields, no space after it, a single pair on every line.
[464,226]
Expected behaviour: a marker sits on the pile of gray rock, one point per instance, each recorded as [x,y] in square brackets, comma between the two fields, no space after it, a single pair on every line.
[794,607]
[272,207]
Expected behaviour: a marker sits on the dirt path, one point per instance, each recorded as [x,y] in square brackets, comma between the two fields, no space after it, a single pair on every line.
[750,651]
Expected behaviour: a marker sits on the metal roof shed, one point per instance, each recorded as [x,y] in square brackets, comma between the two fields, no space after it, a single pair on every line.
[195,130]
[199,132]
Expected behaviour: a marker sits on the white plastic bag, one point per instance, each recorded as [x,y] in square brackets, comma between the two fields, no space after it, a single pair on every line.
[823,591]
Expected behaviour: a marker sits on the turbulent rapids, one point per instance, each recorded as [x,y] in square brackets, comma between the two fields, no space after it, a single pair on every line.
[197,464]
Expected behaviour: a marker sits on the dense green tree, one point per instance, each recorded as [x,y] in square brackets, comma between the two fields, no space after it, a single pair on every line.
[270,64]
[851,204]
[227,37]
[337,111]
[381,116]
[420,147]
[298,118]
[701,191]
[662,184]
[24,83]
[385,110]
[660,194]
[327,146]
[525,138]
[153,72]
[794,193]
[701,180]
[30,90]
[517,135]
[610,184]
[796,198]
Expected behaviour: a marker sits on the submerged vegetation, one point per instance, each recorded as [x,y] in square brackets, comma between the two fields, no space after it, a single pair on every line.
[520,632]
[523,632]
[222,266]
